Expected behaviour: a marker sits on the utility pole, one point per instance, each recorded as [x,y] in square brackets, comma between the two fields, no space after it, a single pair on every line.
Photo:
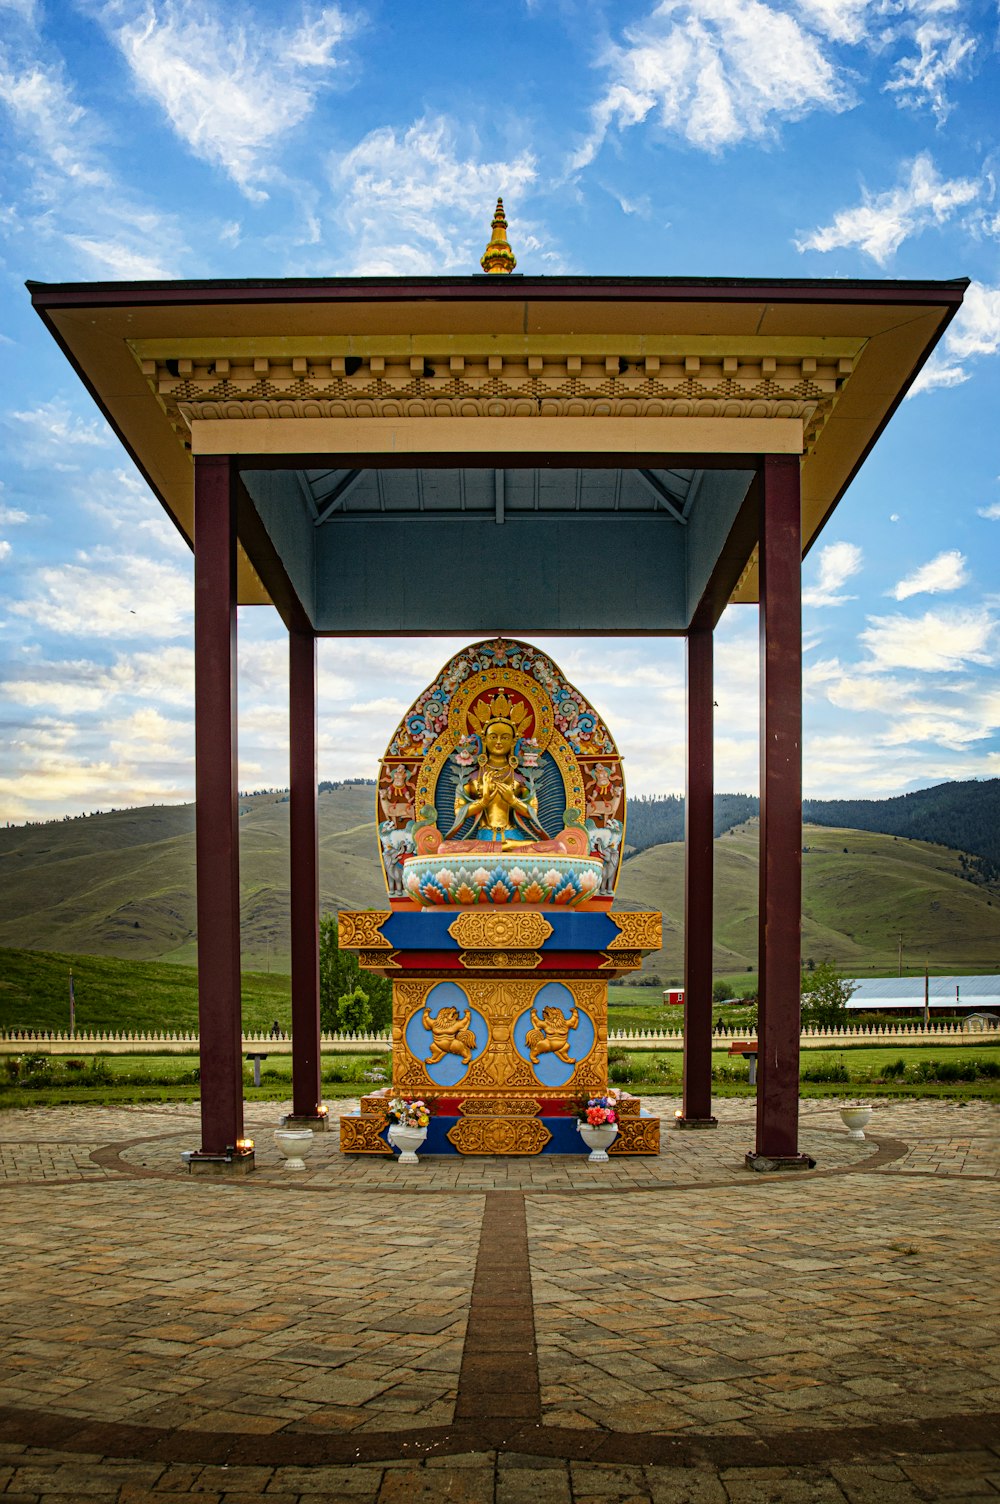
[901,955]
[927,998]
[72,1005]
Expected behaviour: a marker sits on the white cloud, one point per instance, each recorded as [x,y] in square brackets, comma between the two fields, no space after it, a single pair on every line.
[149,736]
[49,775]
[76,686]
[230,87]
[974,331]
[941,641]
[992,512]
[882,221]
[110,595]
[953,714]
[5,550]
[837,563]
[42,107]
[123,502]
[946,571]
[840,20]
[53,434]
[413,203]
[717,72]
[11,516]
[24,8]
[71,200]
[943,53]
[116,258]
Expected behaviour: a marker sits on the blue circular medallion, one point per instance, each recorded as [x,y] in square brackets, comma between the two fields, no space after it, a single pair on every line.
[446,1034]
[554,1034]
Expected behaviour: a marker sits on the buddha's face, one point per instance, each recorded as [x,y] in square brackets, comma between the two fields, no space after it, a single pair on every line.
[499,739]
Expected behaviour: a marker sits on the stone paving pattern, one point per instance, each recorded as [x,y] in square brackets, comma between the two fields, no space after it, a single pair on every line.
[500,1331]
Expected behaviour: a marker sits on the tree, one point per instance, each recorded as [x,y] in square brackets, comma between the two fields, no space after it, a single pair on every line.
[825,995]
[354,1014]
[340,975]
[720,992]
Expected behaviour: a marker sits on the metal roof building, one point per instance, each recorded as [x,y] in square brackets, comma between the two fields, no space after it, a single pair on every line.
[945,992]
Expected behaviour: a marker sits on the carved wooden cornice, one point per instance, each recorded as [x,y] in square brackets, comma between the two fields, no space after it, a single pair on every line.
[759,379]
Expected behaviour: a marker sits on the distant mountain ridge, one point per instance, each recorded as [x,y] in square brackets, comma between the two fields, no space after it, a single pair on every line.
[963,816]
[122,883]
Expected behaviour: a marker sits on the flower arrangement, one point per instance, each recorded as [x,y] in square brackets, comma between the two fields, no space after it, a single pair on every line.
[530,751]
[409,1112]
[466,751]
[599,1112]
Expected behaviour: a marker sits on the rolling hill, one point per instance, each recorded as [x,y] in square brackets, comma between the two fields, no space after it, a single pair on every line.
[122,884]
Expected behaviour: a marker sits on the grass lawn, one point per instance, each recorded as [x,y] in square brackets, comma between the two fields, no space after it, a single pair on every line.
[867,1070]
[173,1078]
[126,996]
[170,1078]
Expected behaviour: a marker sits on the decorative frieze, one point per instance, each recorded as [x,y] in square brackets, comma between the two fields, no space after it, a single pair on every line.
[490,929]
[638,930]
[501,960]
[510,1107]
[492,1135]
[744,384]
[362,929]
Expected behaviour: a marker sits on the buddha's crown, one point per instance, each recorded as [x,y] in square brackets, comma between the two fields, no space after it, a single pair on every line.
[500,708]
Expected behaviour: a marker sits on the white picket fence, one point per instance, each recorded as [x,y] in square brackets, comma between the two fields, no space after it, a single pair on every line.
[19,1042]
[816,1039]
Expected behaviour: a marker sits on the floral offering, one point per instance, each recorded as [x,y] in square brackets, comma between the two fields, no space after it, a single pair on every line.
[409,1112]
[599,1112]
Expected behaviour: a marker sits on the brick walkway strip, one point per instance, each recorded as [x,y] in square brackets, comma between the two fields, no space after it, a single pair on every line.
[499,1373]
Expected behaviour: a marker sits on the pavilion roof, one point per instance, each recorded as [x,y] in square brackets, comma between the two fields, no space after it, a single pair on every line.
[656,378]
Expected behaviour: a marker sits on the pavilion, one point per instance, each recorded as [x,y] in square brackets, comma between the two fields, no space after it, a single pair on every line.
[498,454]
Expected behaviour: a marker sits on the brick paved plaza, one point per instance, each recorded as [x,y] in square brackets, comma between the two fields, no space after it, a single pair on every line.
[487,1330]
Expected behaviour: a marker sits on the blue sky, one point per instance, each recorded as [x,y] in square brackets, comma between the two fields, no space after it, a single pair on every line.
[826,138]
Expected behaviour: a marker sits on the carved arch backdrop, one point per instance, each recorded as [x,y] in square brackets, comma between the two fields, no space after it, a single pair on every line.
[562,744]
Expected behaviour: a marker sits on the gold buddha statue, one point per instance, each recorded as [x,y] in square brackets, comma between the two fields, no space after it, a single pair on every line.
[500,802]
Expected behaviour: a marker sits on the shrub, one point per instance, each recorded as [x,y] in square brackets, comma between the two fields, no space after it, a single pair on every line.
[354,1014]
[825,995]
[832,1070]
[620,1072]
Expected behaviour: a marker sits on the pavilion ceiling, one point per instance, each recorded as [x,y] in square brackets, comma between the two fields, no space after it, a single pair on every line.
[521,388]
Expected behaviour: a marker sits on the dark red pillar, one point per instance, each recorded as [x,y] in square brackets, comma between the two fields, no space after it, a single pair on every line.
[216,819]
[304,874]
[780,814]
[698,858]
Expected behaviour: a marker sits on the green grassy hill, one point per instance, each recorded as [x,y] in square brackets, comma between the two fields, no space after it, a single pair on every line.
[860,892]
[122,884]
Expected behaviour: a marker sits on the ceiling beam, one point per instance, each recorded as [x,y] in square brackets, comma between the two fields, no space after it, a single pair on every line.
[339,494]
[662,495]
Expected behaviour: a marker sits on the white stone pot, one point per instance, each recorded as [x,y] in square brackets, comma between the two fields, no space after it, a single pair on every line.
[598,1140]
[407,1141]
[295,1144]
[854,1119]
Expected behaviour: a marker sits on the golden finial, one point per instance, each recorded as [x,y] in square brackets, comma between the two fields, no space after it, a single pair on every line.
[498,256]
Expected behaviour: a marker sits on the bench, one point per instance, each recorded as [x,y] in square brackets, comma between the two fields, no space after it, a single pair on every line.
[748,1049]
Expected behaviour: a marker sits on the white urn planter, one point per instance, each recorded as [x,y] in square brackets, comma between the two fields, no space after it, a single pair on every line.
[854,1120]
[407,1141]
[294,1144]
[598,1140]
